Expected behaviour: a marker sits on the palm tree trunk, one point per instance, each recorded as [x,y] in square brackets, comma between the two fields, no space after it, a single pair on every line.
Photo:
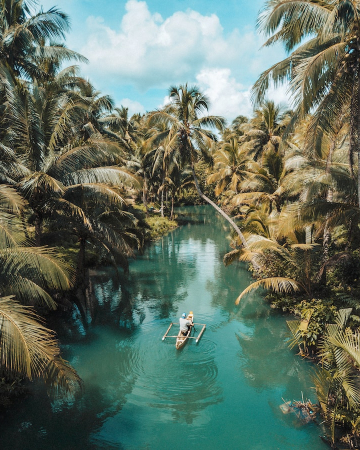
[326,237]
[162,198]
[144,194]
[327,233]
[162,204]
[172,207]
[218,209]
[358,179]
[355,125]
[353,129]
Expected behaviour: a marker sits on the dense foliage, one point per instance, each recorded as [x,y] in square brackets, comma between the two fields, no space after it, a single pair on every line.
[95,182]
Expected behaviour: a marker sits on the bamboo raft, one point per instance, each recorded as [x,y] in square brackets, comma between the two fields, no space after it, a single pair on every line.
[180,338]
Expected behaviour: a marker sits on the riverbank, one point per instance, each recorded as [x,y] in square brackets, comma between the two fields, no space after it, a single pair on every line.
[159,226]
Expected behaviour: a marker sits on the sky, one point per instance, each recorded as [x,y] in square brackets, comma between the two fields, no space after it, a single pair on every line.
[138,49]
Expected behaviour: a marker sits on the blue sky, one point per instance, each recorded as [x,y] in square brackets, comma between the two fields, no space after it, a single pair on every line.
[137,49]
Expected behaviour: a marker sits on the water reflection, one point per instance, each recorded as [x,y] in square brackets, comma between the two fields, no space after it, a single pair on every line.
[106,366]
[262,355]
[142,393]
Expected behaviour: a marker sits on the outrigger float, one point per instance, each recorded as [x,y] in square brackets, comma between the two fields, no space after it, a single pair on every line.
[181,338]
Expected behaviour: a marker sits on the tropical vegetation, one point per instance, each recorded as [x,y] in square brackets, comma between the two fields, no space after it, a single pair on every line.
[95,182]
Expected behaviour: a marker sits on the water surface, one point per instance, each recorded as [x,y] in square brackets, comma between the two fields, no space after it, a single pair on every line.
[141,393]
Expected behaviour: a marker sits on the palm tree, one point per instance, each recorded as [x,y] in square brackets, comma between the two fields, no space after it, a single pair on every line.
[186,134]
[26,271]
[263,184]
[324,71]
[100,220]
[29,349]
[96,109]
[175,181]
[283,249]
[263,133]
[337,381]
[236,125]
[231,167]
[128,129]
[140,162]
[24,36]
[45,128]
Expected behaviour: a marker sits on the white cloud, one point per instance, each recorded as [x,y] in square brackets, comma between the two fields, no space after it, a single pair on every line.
[134,106]
[228,98]
[150,51]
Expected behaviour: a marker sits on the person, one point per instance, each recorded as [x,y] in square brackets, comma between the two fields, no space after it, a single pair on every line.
[185,324]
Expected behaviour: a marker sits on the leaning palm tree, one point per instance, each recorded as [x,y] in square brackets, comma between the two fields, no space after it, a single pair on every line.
[186,133]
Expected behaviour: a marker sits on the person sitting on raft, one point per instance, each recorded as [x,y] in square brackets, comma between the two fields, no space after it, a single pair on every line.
[185,324]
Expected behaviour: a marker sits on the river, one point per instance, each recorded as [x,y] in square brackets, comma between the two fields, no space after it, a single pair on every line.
[140,392]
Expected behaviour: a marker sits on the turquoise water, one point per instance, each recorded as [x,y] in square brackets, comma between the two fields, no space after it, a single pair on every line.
[140,392]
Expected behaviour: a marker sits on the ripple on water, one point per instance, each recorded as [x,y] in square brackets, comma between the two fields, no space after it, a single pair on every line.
[171,379]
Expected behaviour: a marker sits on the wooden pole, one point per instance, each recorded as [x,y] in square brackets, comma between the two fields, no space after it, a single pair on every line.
[167,331]
[201,332]
[182,337]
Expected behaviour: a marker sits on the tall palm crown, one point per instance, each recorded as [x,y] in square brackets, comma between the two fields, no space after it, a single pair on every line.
[24,36]
[126,127]
[324,71]
[186,135]
[185,120]
[262,133]
[232,166]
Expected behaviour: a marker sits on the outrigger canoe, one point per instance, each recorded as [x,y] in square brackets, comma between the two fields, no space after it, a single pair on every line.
[181,339]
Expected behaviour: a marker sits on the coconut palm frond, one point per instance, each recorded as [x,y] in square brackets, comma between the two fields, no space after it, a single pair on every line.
[29,291]
[277,284]
[30,349]
[112,175]
[42,262]
[41,182]
[96,193]
[10,199]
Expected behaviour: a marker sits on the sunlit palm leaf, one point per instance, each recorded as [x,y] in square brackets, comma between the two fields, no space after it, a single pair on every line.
[277,284]
[30,349]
